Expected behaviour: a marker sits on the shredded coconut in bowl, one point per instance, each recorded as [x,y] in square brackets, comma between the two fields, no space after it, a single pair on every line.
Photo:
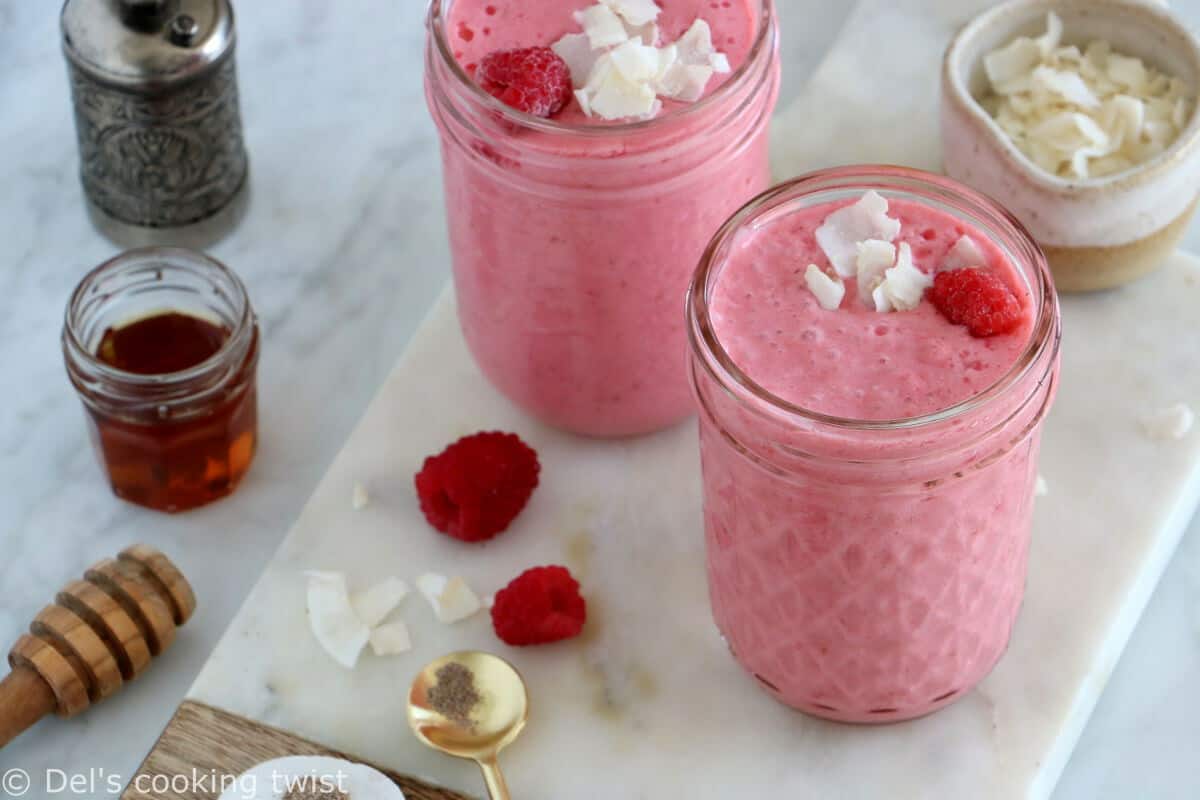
[1083,113]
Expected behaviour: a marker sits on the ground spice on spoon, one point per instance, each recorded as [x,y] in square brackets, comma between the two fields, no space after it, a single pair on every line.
[454,695]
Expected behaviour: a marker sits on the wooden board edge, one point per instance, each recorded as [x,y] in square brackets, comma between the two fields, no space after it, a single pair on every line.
[203,745]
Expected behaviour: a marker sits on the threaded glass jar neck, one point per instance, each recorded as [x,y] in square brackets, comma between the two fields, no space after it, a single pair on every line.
[141,283]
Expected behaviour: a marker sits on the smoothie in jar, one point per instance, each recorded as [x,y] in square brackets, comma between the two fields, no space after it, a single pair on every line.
[573,236]
[874,351]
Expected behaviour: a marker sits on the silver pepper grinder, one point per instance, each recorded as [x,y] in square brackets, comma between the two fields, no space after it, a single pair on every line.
[156,112]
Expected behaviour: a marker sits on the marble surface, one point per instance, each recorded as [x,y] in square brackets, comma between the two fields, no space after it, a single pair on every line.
[343,251]
[621,707]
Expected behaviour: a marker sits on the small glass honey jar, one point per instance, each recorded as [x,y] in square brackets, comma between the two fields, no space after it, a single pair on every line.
[162,345]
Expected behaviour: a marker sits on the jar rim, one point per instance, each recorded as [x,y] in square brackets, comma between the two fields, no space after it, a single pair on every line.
[235,343]
[763,41]
[1045,335]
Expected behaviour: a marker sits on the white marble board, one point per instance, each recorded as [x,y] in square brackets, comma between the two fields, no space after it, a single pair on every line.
[650,704]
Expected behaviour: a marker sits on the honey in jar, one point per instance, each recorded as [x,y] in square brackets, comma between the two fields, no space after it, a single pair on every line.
[162,346]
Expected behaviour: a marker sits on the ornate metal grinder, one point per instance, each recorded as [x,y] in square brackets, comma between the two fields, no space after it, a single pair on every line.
[156,107]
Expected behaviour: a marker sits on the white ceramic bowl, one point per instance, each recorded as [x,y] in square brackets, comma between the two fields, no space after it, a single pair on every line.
[1100,232]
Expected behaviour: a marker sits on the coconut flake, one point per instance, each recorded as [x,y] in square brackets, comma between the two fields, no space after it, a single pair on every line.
[452,600]
[1040,487]
[602,26]
[684,82]
[842,230]
[1011,62]
[875,256]
[828,291]
[374,604]
[636,62]
[904,284]
[1067,85]
[391,639]
[360,498]
[964,253]
[635,12]
[331,616]
[576,50]
[1169,423]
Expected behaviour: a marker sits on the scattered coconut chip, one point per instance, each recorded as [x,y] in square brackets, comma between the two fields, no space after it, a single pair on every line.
[602,26]
[964,253]
[842,230]
[828,291]
[333,620]
[1169,423]
[391,639]
[904,284]
[374,604]
[359,497]
[1040,487]
[452,600]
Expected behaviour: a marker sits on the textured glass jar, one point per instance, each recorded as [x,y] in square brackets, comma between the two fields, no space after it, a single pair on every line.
[870,571]
[572,245]
[181,439]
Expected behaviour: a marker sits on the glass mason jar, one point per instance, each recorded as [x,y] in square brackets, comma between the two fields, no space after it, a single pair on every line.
[572,245]
[870,571]
[171,440]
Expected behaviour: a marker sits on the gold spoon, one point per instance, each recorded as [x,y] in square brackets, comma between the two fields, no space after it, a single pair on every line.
[470,705]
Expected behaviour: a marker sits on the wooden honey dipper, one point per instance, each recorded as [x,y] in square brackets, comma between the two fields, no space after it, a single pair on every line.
[100,633]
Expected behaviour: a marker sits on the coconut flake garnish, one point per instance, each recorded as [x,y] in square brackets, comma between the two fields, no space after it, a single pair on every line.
[1081,114]
[618,70]
[904,285]
[391,639]
[828,291]
[576,50]
[331,616]
[964,253]
[374,604]
[842,230]
[1040,487]
[1169,423]
[452,600]
[875,257]
[635,12]
[602,26]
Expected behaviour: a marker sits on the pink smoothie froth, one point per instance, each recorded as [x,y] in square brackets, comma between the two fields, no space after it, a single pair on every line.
[852,585]
[480,27]
[572,249]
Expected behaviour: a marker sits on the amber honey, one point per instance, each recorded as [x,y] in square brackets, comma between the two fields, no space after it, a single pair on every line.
[170,392]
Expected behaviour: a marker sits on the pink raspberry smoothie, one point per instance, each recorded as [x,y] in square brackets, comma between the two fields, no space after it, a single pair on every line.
[573,238]
[868,476]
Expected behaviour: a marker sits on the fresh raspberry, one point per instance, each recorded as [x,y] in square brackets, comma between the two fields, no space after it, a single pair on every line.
[474,488]
[541,605]
[978,299]
[534,80]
